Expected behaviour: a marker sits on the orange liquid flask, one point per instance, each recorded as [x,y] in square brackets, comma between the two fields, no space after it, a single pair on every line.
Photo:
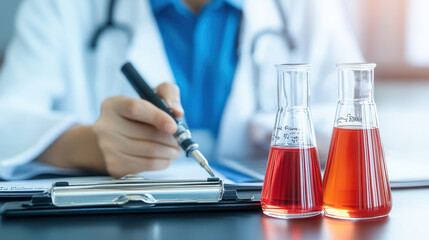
[355,184]
[293,182]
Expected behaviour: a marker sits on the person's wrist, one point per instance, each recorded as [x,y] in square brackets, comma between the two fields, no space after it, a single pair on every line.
[86,153]
[77,148]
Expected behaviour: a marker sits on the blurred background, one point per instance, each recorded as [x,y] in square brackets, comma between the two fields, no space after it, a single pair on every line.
[393,34]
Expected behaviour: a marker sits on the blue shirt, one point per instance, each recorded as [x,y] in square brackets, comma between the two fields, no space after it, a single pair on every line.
[202,52]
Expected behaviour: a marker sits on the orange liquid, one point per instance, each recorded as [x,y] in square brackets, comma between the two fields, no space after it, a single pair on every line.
[293,183]
[356,184]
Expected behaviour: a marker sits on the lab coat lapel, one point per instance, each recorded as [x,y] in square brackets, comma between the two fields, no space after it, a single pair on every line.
[146,49]
[234,135]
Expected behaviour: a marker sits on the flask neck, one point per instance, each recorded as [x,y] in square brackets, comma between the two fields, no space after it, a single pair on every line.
[293,127]
[293,87]
[356,107]
[356,84]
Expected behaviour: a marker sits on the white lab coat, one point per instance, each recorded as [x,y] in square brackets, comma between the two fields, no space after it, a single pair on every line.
[51,81]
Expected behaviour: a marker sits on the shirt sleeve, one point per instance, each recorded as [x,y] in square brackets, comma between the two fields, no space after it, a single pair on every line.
[31,81]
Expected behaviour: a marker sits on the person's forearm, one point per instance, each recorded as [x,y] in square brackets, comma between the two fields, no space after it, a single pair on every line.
[77,148]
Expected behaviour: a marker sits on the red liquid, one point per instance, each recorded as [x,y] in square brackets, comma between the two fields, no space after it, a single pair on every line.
[293,183]
[355,184]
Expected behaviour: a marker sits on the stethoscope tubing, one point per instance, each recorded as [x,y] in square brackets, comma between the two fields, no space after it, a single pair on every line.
[110,23]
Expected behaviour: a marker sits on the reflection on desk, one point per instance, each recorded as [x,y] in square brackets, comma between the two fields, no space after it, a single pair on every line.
[408,220]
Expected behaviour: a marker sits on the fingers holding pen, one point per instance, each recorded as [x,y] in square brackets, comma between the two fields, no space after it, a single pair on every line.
[134,135]
[141,148]
[171,94]
[143,132]
[145,112]
[120,164]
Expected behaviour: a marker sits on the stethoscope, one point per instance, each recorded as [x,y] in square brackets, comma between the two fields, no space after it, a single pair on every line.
[284,34]
[110,24]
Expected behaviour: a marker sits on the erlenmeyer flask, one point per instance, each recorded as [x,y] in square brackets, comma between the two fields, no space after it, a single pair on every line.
[355,183]
[293,183]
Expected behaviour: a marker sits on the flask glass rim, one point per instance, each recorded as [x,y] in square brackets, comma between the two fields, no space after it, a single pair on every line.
[294,66]
[357,66]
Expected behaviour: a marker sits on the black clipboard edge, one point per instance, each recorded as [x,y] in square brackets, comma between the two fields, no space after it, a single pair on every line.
[16,209]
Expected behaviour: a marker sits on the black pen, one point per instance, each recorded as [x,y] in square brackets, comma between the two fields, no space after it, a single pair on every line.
[182,135]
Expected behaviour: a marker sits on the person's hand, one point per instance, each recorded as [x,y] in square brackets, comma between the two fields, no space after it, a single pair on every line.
[135,136]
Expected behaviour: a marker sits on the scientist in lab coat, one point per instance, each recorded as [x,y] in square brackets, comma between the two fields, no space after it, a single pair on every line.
[65,105]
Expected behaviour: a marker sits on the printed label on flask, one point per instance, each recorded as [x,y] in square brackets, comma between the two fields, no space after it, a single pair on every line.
[349,118]
[288,134]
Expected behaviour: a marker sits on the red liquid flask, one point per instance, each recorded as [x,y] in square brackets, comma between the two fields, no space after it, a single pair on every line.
[293,183]
[356,185]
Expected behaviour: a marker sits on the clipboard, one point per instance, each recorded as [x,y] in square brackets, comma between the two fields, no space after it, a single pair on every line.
[136,195]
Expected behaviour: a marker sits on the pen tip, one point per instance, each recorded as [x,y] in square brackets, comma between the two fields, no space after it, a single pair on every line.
[208,170]
[202,161]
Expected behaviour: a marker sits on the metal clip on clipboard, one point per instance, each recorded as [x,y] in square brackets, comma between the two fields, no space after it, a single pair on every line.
[133,195]
[136,192]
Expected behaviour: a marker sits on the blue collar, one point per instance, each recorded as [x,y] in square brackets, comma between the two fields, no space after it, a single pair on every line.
[159,5]
[238,4]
